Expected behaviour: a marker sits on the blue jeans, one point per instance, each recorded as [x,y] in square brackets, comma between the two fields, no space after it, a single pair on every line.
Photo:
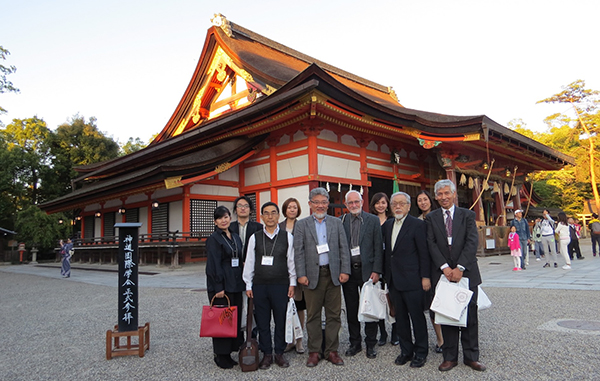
[539,251]
[524,251]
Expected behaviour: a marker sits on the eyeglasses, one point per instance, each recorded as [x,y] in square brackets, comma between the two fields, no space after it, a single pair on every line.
[270,214]
[395,204]
[321,203]
[243,206]
[353,202]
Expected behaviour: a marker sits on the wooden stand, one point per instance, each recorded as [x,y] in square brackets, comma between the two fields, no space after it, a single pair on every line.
[143,334]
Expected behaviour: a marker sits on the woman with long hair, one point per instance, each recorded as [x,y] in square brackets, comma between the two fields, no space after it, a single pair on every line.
[380,206]
[562,228]
[426,204]
[291,211]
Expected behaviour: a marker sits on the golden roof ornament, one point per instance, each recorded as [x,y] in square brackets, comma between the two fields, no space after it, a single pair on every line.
[220,21]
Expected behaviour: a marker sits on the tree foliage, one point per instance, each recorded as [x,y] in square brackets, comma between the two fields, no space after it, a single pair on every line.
[6,86]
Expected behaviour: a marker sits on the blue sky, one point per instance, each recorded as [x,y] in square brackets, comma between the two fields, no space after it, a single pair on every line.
[127,63]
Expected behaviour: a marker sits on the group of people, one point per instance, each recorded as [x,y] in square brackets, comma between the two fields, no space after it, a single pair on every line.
[315,258]
[548,237]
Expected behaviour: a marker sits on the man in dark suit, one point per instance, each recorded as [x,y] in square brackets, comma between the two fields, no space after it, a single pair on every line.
[242,207]
[453,238]
[322,264]
[363,232]
[407,271]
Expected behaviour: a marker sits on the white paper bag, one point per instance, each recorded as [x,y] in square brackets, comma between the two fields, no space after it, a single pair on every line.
[441,319]
[451,299]
[293,327]
[483,301]
[373,302]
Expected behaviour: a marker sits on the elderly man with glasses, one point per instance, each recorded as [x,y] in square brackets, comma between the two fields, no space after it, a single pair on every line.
[322,262]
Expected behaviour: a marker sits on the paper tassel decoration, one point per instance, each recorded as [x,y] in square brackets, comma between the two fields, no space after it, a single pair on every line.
[350,186]
[463,179]
[339,187]
[506,188]
[471,185]
[361,190]
[496,188]
[327,186]
[514,191]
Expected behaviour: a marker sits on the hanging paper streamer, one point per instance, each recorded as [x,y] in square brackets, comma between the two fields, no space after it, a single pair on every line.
[339,187]
[506,188]
[471,183]
[496,187]
[514,191]
[350,186]
[361,190]
[463,179]
[327,186]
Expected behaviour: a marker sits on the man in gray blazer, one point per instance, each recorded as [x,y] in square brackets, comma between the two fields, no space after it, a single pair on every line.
[322,265]
[363,232]
[453,239]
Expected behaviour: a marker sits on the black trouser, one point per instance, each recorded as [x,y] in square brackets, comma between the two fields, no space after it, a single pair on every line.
[574,247]
[409,308]
[269,299]
[352,297]
[224,346]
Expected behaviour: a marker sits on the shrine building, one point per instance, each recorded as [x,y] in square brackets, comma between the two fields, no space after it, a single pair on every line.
[263,120]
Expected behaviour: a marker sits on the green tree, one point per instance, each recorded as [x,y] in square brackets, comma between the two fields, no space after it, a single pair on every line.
[132,145]
[36,228]
[75,143]
[25,158]
[584,102]
[6,86]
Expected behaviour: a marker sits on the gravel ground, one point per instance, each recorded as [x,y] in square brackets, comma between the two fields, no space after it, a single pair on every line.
[54,329]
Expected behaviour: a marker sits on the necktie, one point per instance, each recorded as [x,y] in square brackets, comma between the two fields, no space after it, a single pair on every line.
[448,223]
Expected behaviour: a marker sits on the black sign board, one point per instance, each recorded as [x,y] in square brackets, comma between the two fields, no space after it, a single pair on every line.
[128,276]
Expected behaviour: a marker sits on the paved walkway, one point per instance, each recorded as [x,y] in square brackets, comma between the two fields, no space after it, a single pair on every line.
[543,325]
[496,272]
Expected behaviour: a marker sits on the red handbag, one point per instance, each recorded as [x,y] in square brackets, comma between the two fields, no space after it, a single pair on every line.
[219,321]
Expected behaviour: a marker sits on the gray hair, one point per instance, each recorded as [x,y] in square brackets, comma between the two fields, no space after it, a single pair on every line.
[445,183]
[318,192]
[401,194]
[353,191]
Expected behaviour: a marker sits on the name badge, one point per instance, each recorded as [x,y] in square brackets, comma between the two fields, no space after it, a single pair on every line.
[449,241]
[235,262]
[267,261]
[322,249]
[355,251]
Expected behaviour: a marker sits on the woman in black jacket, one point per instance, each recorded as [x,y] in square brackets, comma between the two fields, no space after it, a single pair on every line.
[224,278]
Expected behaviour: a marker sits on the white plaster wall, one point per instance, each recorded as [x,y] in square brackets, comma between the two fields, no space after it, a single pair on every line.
[262,198]
[227,204]
[97,228]
[337,167]
[92,208]
[143,216]
[232,174]
[136,198]
[214,190]
[300,193]
[292,167]
[372,146]
[112,203]
[349,140]
[257,175]
[176,216]
[167,192]
[299,135]
[328,135]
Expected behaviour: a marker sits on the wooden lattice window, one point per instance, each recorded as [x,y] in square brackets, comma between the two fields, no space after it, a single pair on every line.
[132,215]
[160,219]
[109,224]
[202,217]
[88,227]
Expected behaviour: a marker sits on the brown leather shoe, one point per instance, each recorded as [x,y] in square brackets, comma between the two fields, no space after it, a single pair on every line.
[266,362]
[335,359]
[447,365]
[476,365]
[281,361]
[313,359]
